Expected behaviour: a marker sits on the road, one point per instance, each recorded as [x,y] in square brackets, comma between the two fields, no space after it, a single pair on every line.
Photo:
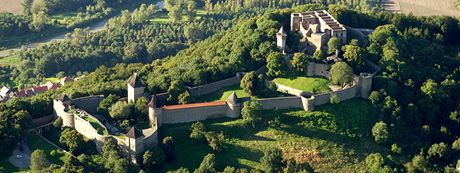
[92,28]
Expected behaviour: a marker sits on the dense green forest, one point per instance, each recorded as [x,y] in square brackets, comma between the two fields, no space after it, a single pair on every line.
[416,94]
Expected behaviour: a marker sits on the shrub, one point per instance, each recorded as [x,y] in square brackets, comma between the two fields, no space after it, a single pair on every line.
[271,162]
[197,131]
[380,132]
[215,140]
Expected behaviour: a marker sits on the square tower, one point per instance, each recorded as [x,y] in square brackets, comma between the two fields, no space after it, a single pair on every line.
[135,88]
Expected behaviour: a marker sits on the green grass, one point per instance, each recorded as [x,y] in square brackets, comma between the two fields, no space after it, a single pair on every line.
[8,167]
[53,79]
[35,142]
[63,16]
[335,138]
[308,84]
[164,18]
[223,94]
[10,60]
[101,130]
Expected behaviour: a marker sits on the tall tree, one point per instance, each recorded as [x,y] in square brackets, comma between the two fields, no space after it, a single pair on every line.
[341,74]
[275,64]
[38,161]
[333,44]
[249,83]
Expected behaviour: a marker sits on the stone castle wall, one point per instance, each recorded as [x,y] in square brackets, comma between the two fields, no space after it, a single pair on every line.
[183,115]
[86,129]
[215,86]
[317,69]
[281,103]
[89,103]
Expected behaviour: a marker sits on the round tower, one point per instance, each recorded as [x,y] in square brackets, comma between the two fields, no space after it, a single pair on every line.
[135,88]
[308,103]
[234,106]
[365,82]
[155,112]
[61,106]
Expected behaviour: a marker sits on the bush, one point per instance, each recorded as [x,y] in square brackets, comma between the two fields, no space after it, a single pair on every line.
[57,122]
[271,162]
[197,131]
[396,149]
[380,132]
[208,165]
[154,158]
[168,146]
[335,99]
[215,140]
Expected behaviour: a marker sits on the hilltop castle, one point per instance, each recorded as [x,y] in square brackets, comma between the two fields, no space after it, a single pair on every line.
[315,29]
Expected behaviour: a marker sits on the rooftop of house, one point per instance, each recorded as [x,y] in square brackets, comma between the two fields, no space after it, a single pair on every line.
[40,89]
[66,79]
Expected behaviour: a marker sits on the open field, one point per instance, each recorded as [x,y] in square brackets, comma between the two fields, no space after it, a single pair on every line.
[307,84]
[12,6]
[422,7]
[335,138]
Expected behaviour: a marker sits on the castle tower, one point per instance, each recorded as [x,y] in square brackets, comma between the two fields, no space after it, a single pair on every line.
[365,82]
[135,88]
[155,112]
[61,106]
[234,106]
[135,144]
[281,39]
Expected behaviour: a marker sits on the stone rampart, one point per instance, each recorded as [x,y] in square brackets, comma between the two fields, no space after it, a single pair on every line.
[191,114]
[89,103]
[215,86]
[281,103]
[289,90]
[86,129]
[317,69]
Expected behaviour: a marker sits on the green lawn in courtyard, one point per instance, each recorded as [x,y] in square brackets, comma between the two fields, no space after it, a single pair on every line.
[308,84]
[335,138]
[9,60]
[35,142]
[223,94]
[101,130]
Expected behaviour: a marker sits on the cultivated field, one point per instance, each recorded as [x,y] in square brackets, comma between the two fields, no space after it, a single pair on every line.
[12,6]
[422,7]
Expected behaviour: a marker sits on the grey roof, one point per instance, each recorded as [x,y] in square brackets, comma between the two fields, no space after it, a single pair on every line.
[134,81]
[154,102]
[63,98]
[233,98]
[134,133]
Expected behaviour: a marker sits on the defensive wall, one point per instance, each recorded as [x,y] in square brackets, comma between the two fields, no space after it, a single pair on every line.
[215,86]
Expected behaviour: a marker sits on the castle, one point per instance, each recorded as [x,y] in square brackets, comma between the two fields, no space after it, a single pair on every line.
[315,29]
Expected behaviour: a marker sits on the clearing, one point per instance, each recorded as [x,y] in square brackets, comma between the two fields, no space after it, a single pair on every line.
[12,6]
[335,138]
[422,7]
[307,84]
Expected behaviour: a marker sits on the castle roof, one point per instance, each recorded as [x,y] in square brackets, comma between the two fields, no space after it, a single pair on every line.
[134,133]
[233,98]
[134,81]
[281,31]
[154,102]
[63,98]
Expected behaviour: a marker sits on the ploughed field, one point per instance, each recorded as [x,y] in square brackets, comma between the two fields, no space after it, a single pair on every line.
[12,6]
[334,138]
[422,7]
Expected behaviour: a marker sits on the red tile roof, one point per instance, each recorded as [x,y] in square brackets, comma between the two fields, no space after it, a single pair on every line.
[194,105]
[40,89]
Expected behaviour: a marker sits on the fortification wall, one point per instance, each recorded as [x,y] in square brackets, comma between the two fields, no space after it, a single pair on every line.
[215,86]
[43,120]
[86,129]
[281,103]
[183,115]
[317,69]
[89,103]
[150,137]
[289,90]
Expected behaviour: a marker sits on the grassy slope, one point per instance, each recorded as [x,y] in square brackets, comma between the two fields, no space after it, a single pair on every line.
[223,94]
[9,60]
[335,138]
[35,142]
[308,84]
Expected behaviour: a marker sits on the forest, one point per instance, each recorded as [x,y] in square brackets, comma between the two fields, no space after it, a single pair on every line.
[416,94]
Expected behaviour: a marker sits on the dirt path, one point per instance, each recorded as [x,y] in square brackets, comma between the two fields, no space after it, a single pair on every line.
[422,7]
